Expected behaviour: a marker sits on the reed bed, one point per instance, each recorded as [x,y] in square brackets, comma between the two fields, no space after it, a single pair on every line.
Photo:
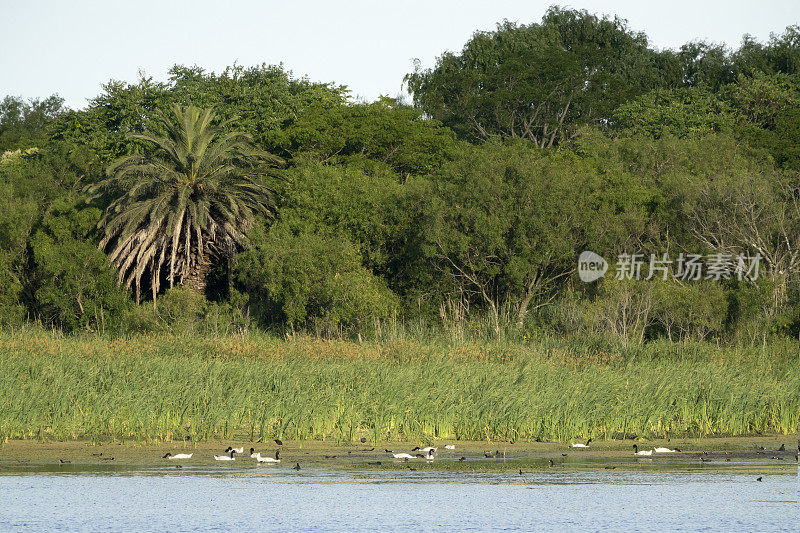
[150,388]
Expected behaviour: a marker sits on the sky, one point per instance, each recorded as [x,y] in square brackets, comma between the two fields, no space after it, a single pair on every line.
[73,47]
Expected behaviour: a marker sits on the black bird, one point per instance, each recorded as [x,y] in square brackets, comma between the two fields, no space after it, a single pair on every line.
[611,467]
[363,440]
[520,471]
[279,442]
[63,462]
[759,479]
[782,448]
[462,458]
[563,455]
[388,451]
[296,467]
[552,463]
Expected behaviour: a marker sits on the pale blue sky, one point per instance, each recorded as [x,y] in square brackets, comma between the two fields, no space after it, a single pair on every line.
[72,47]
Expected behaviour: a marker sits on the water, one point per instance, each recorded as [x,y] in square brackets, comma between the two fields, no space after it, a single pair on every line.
[320,500]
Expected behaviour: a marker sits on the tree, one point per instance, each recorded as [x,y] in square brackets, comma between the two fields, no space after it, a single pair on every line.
[185,203]
[73,281]
[307,277]
[541,81]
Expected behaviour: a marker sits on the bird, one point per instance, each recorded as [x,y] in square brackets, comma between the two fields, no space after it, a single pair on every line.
[449,447]
[664,450]
[552,463]
[636,451]
[225,457]
[405,456]
[237,450]
[177,456]
[428,455]
[279,442]
[363,440]
[296,467]
[782,448]
[462,459]
[63,462]
[759,478]
[276,459]
[580,444]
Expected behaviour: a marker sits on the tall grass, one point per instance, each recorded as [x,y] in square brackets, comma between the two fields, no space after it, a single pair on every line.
[258,387]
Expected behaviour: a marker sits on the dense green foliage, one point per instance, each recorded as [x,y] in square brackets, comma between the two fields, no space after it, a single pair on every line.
[465,211]
[257,387]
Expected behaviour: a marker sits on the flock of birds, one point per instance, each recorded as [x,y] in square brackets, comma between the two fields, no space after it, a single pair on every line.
[230,455]
[428,453]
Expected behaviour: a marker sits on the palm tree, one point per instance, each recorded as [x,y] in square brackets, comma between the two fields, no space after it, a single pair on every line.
[188,201]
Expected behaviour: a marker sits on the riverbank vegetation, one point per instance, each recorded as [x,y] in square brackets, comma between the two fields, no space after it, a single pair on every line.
[408,266]
[256,388]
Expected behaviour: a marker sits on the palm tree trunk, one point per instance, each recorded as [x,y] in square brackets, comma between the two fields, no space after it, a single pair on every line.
[198,277]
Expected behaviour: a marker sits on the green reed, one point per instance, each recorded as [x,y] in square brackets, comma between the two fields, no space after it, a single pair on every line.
[260,387]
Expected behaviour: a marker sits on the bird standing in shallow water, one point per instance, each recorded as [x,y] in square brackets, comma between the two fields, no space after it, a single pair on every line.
[296,467]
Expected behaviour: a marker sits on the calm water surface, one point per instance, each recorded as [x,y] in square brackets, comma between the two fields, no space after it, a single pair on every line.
[319,500]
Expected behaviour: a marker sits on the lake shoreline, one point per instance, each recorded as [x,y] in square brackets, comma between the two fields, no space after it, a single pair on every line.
[718,454]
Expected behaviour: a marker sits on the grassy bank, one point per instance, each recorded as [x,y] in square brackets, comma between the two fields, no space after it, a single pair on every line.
[258,387]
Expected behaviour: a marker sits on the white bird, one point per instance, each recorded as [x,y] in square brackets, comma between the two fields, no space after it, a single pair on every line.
[636,451]
[449,447]
[404,456]
[581,445]
[276,459]
[178,456]
[664,450]
[428,449]
[225,457]
[237,450]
